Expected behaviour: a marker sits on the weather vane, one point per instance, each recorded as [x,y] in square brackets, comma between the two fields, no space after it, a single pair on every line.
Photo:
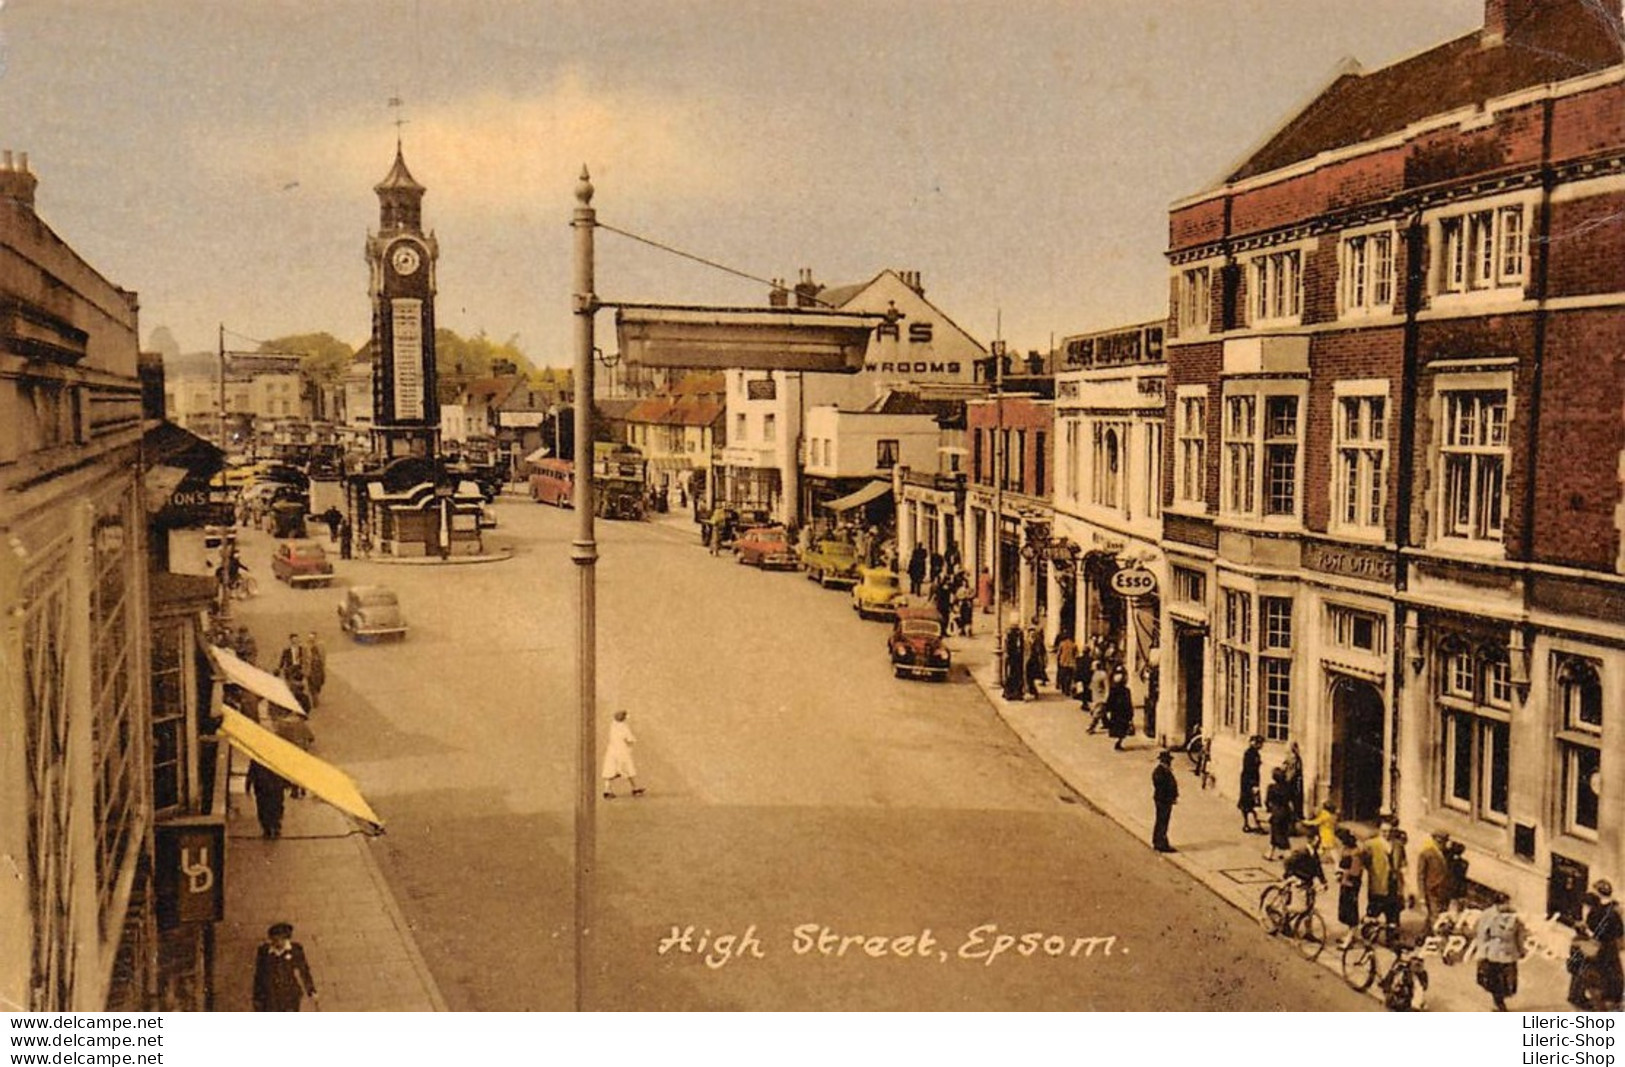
[397,104]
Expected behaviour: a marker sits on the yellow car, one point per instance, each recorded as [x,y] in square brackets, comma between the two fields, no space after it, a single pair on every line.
[878,594]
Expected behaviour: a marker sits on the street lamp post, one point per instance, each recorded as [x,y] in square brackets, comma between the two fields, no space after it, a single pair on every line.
[584,554]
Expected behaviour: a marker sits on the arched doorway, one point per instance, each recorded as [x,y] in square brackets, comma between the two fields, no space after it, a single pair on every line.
[1358,760]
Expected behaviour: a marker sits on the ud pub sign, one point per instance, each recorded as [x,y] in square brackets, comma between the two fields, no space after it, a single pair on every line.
[190,872]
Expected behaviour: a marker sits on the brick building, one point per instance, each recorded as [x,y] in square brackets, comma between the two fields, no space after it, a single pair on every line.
[1009,499]
[1396,440]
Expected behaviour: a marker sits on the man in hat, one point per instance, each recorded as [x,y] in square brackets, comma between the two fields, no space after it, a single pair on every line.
[1164,794]
[1433,876]
[281,976]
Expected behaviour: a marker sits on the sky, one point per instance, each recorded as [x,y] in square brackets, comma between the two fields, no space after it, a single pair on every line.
[218,156]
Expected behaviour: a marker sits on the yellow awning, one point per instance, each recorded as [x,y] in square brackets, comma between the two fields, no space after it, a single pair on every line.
[260,683]
[299,767]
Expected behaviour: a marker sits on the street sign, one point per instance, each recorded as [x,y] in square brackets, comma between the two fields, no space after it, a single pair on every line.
[744,338]
[1134,582]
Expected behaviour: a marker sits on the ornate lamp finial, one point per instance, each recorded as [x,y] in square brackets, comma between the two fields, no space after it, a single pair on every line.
[584,188]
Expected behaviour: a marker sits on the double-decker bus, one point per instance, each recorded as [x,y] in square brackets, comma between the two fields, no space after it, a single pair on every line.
[553,481]
[617,481]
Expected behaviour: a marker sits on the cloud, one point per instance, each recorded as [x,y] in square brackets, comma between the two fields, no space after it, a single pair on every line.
[501,155]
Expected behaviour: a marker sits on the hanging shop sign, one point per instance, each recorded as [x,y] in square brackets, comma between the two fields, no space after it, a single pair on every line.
[1134,582]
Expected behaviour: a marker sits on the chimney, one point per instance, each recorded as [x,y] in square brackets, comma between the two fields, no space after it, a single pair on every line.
[778,296]
[807,290]
[16,182]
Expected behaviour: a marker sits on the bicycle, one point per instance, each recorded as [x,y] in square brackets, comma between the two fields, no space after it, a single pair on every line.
[1303,924]
[1404,981]
[1200,751]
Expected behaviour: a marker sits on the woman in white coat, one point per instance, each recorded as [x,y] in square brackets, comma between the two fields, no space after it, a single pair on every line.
[618,757]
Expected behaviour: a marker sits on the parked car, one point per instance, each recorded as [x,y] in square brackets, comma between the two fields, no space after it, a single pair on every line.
[916,645]
[371,611]
[831,562]
[878,594]
[767,547]
[301,563]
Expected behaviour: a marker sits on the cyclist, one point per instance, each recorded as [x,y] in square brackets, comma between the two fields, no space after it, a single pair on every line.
[1303,872]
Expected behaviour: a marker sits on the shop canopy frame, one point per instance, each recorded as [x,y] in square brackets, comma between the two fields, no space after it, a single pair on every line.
[866,495]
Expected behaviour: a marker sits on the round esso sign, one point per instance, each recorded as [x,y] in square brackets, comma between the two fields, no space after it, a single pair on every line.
[1133,582]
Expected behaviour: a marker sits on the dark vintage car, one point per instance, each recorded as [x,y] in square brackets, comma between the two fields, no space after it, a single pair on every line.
[831,562]
[301,563]
[916,646]
[767,547]
[370,612]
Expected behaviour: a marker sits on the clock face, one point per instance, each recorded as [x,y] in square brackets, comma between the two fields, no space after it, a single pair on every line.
[405,260]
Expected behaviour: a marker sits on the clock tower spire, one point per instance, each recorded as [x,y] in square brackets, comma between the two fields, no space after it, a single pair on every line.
[402,257]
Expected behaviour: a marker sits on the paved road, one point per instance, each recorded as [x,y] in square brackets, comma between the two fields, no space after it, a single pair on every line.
[796,792]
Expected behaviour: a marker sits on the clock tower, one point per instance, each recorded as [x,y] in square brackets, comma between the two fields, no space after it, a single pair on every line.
[406,410]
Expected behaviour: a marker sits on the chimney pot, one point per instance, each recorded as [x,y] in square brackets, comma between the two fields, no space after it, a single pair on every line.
[22,162]
[7,159]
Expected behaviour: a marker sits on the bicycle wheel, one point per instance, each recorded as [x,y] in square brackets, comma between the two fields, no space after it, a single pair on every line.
[1272,908]
[1309,932]
[1359,965]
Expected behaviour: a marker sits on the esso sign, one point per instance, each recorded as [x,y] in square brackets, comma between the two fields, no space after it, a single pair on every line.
[1133,582]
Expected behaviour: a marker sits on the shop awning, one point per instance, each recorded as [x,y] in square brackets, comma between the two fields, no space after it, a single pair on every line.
[539,455]
[299,767]
[873,491]
[260,683]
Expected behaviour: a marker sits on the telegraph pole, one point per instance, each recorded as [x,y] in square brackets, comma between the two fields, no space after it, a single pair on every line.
[221,347]
[584,554]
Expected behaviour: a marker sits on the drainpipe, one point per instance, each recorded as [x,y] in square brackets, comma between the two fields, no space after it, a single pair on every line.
[1402,642]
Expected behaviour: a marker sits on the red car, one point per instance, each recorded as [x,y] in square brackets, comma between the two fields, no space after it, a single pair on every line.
[301,563]
[916,645]
[767,547]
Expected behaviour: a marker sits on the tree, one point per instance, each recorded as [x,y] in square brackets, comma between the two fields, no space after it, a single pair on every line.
[323,358]
[460,361]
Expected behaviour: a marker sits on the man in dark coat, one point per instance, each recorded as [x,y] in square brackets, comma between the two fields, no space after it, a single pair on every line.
[1015,664]
[1164,794]
[346,539]
[333,517]
[1119,709]
[916,569]
[1252,774]
[269,790]
[281,976]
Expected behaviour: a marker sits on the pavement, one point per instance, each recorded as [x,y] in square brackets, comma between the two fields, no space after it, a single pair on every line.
[1206,831]
[320,875]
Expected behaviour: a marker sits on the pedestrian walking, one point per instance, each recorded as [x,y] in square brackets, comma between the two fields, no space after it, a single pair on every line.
[1252,769]
[1501,941]
[1015,664]
[1066,663]
[984,591]
[1119,709]
[1293,765]
[1350,874]
[1164,795]
[916,569]
[1095,697]
[291,658]
[281,975]
[1278,805]
[1433,876]
[942,598]
[346,539]
[332,517]
[1037,662]
[269,790]
[315,664]
[1322,829]
[1382,883]
[1597,982]
[618,757]
[965,605]
[245,646]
